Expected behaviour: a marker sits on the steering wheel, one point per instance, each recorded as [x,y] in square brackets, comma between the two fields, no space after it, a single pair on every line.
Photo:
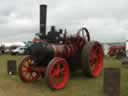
[83,33]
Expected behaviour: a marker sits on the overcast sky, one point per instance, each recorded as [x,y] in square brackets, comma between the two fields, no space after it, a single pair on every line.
[107,20]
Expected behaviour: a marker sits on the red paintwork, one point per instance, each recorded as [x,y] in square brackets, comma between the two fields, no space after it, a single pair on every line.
[68,49]
[96,60]
[25,72]
[65,50]
[115,50]
[62,52]
[59,69]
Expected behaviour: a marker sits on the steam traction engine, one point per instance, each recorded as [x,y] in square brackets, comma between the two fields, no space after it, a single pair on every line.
[55,61]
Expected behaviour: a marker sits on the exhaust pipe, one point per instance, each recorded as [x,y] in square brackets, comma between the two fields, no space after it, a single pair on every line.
[43,19]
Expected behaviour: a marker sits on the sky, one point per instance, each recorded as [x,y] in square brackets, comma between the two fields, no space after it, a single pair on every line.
[106,20]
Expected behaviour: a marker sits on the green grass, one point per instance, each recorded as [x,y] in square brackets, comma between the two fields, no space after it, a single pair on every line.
[78,85]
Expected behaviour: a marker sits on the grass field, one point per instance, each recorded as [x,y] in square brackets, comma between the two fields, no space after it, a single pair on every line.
[78,85]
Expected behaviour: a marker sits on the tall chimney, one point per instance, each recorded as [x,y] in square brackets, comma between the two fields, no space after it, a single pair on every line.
[43,19]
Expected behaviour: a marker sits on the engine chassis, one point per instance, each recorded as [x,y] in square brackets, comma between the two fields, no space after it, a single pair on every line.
[75,53]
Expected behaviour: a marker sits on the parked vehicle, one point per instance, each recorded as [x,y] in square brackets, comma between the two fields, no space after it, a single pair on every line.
[7,51]
[18,51]
[117,51]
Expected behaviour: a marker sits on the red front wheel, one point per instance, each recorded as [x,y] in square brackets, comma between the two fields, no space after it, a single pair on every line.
[25,72]
[57,73]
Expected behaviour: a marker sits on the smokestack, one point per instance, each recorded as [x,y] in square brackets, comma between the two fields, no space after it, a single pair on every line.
[43,19]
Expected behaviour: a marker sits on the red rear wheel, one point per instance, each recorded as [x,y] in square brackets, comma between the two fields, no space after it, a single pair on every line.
[25,72]
[57,73]
[92,59]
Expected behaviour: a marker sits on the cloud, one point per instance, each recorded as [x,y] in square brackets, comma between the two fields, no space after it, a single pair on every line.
[107,20]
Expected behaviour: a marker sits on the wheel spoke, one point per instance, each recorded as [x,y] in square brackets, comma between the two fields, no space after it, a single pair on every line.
[57,79]
[92,58]
[97,50]
[30,77]
[58,67]
[25,64]
[62,70]
[24,69]
[29,61]
[34,74]
[54,73]
[27,75]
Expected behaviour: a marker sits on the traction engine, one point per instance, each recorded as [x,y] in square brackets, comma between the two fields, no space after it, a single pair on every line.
[56,60]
